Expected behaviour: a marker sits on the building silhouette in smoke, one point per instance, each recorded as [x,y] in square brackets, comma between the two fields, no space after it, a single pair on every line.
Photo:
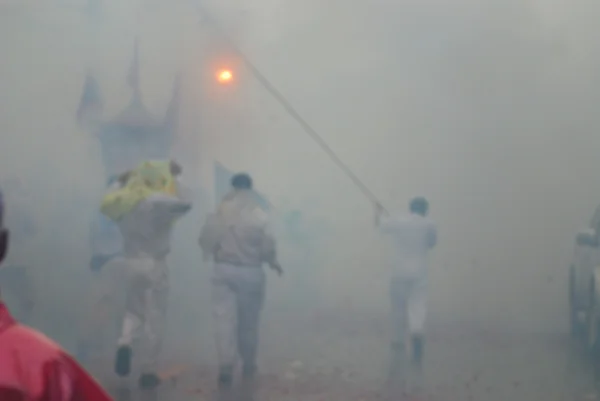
[133,135]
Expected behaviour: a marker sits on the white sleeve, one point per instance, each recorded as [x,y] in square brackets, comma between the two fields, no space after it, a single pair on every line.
[168,206]
[184,192]
[268,245]
[211,233]
[432,236]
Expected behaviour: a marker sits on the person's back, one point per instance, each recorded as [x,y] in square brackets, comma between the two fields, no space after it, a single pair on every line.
[146,231]
[245,240]
[412,236]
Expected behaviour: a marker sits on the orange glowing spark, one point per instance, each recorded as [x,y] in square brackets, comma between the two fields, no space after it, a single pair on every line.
[224,76]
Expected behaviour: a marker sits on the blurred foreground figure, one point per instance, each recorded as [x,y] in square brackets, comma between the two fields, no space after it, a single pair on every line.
[145,207]
[104,314]
[32,367]
[413,235]
[238,240]
[17,275]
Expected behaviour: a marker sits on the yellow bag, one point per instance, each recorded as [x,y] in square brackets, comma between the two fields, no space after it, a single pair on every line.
[148,178]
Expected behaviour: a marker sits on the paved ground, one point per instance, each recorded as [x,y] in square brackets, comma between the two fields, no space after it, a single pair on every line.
[340,362]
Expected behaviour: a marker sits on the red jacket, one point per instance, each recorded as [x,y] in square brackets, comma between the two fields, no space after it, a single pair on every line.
[34,368]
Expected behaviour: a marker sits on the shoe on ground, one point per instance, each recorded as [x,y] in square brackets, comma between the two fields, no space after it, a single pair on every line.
[225,377]
[123,361]
[149,381]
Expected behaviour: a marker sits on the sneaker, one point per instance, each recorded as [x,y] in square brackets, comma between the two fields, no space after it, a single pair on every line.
[149,381]
[398,369]
[123,361]
[225,377]
[417,383]
[418,348]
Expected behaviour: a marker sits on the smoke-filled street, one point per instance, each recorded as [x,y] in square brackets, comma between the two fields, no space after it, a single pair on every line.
[339,112]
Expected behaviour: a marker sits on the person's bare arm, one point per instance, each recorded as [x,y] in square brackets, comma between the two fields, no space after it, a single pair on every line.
[269,251]
[210,235]
[123,178]
[383,221]
[432,237]
[167,206]
[270,254]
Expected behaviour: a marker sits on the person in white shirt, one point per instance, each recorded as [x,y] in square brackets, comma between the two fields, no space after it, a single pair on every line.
[146,231]
[413,236]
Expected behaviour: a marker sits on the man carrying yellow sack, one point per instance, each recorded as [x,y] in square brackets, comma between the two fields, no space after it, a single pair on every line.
[145,207]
